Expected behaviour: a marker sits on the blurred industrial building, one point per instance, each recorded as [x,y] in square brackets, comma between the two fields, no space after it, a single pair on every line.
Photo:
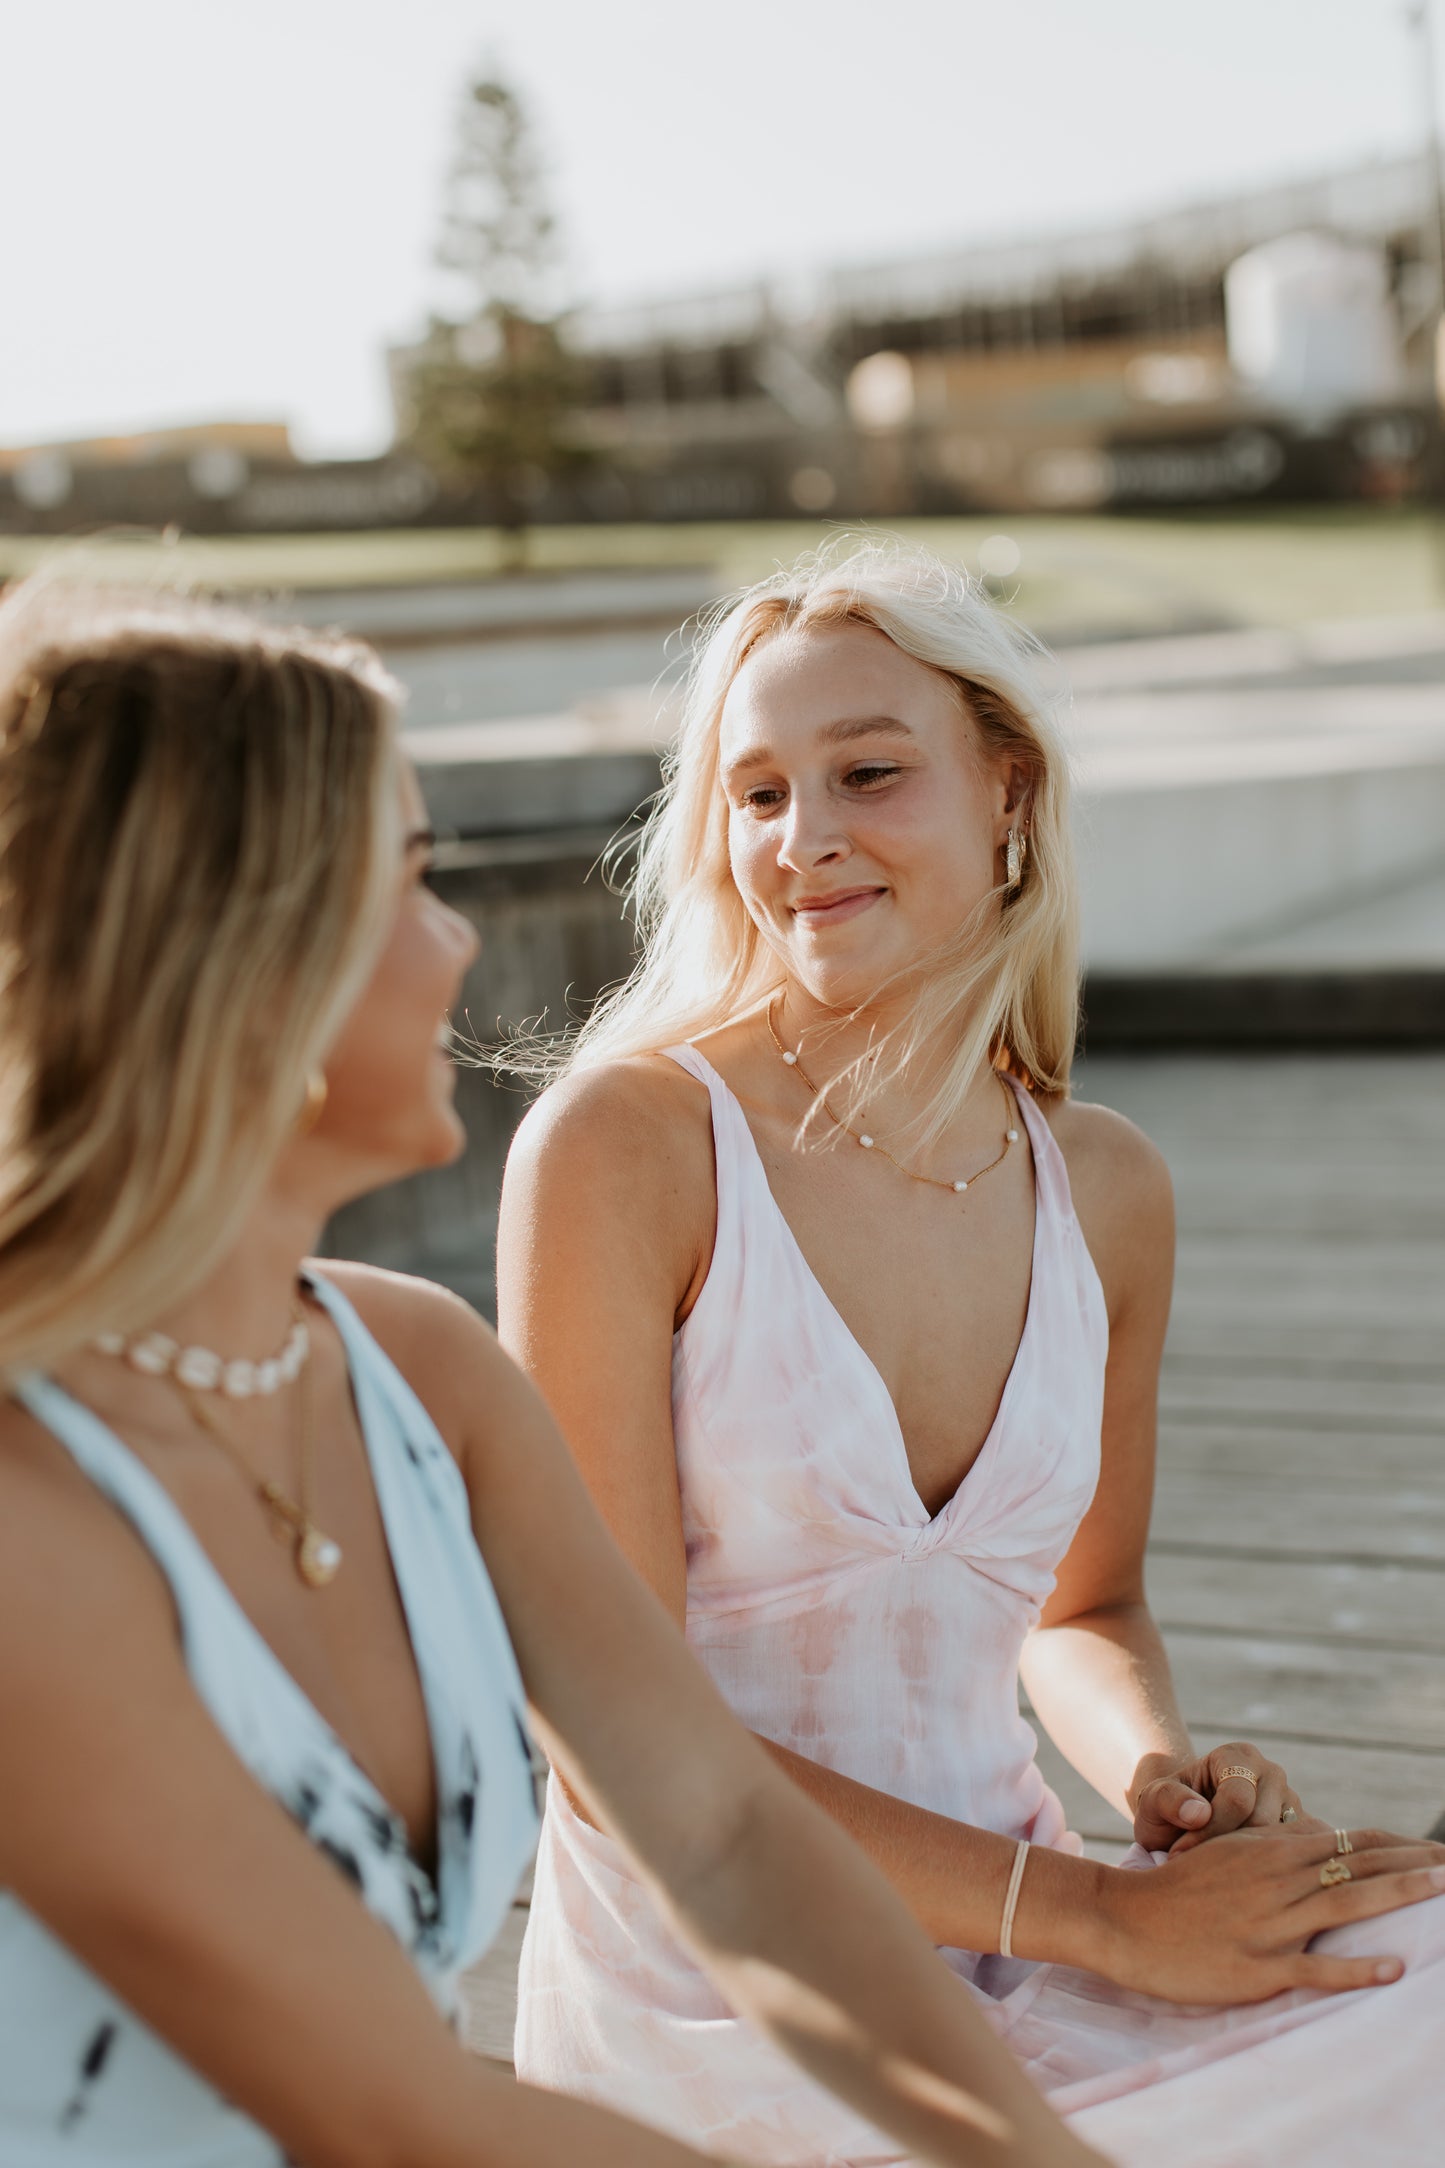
[1272,345]
[1276,345]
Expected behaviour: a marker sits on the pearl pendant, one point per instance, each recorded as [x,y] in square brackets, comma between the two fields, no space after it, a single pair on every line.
[790,1059]
[960,1187]
[867,1143]
[318,1557]
[1012,1135]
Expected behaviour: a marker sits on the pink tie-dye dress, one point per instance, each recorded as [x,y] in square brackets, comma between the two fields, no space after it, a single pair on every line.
[838,1619]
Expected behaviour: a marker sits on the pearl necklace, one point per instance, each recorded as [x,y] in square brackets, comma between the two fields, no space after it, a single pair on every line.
[193,1371]
[871,1144]
[317,1557]
[201,1370]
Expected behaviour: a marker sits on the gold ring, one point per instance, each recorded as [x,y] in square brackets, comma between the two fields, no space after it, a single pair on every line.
[1248,1775]
[1335,1870]
[1342,1841]
[1289,1814]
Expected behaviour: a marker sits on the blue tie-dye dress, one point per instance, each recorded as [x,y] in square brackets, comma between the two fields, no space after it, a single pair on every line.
[82,2080]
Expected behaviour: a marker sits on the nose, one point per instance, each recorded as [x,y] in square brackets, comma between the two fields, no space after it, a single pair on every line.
[810,834]
[465,938]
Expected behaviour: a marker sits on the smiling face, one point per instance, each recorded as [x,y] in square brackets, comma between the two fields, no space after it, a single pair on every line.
[390,1082]
[865,827]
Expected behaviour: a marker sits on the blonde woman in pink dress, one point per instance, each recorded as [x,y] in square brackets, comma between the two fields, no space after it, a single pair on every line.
[853,1321]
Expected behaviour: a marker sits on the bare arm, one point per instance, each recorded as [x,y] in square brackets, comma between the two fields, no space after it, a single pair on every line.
[1096,1669]
[606,1235]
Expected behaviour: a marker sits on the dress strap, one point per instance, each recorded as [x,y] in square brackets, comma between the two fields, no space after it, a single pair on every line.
[731,1134]
[743,1198]
[727,1115]
[122,1477]
[1050,1172]
[688,1057]
[219,1639]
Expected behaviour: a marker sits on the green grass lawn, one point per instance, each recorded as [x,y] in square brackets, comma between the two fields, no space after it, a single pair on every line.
[1075,576]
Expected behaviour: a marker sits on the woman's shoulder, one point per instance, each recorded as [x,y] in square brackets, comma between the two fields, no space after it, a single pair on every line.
[640,1119]
[1106,1151]
[610,1185]
[447,1353]
[445,1350]
[1122,1193]
[398,1306]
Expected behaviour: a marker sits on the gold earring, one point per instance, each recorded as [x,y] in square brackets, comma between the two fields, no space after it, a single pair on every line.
[1017,852]
[313,1106]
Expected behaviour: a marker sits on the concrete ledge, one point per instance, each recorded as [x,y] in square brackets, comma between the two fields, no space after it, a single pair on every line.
[481,784]
[503,607]
[1177,875]
[1320,1011]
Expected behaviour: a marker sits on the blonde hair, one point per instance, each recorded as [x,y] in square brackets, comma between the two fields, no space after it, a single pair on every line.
[1004,990]
[198,816]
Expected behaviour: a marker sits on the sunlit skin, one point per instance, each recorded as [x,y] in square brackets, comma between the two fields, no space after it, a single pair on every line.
[140,1839]
[866,827]
[390,1079]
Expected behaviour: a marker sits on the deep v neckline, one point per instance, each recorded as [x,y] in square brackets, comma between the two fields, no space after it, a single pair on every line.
[859,1354]
[242,1622]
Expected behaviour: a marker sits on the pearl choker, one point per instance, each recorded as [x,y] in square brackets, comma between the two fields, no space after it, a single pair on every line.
[201,1370]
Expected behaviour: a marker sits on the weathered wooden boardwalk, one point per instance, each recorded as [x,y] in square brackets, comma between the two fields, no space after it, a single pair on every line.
[1298,1556]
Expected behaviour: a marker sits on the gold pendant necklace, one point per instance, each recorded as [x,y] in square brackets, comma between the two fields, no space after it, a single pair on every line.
[871,1144]
[317,1557]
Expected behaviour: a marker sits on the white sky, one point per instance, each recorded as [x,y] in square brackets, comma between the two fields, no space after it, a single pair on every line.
[212,209]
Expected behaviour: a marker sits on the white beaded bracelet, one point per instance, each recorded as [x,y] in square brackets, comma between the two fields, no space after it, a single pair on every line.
[1011,1898]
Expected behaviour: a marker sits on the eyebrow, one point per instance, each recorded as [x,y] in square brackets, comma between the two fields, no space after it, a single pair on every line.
[841,732]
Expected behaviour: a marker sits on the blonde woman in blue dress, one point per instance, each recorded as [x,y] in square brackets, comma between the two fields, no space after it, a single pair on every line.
[265,1781]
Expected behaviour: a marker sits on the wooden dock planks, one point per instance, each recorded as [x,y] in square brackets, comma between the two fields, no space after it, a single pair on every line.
[1298,1557]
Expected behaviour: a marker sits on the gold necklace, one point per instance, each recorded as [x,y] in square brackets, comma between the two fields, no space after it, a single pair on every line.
[871,1144]
[317,1557]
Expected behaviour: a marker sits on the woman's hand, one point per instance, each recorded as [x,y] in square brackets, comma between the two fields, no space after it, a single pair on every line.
[1231,1922]
[1180,1805]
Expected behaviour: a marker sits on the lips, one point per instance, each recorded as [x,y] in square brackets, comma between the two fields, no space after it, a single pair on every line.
[833,910]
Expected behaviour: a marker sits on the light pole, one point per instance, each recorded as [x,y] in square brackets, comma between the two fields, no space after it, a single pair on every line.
[1420,21]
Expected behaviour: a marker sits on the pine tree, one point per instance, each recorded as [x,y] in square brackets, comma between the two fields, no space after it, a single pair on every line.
[491,392]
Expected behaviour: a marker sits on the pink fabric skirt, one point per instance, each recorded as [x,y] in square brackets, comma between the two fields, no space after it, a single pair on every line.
[612,2009]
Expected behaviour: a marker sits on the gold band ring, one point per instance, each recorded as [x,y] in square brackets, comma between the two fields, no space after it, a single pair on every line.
[1333,1871]
[1248,1775]
[1342,1842]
